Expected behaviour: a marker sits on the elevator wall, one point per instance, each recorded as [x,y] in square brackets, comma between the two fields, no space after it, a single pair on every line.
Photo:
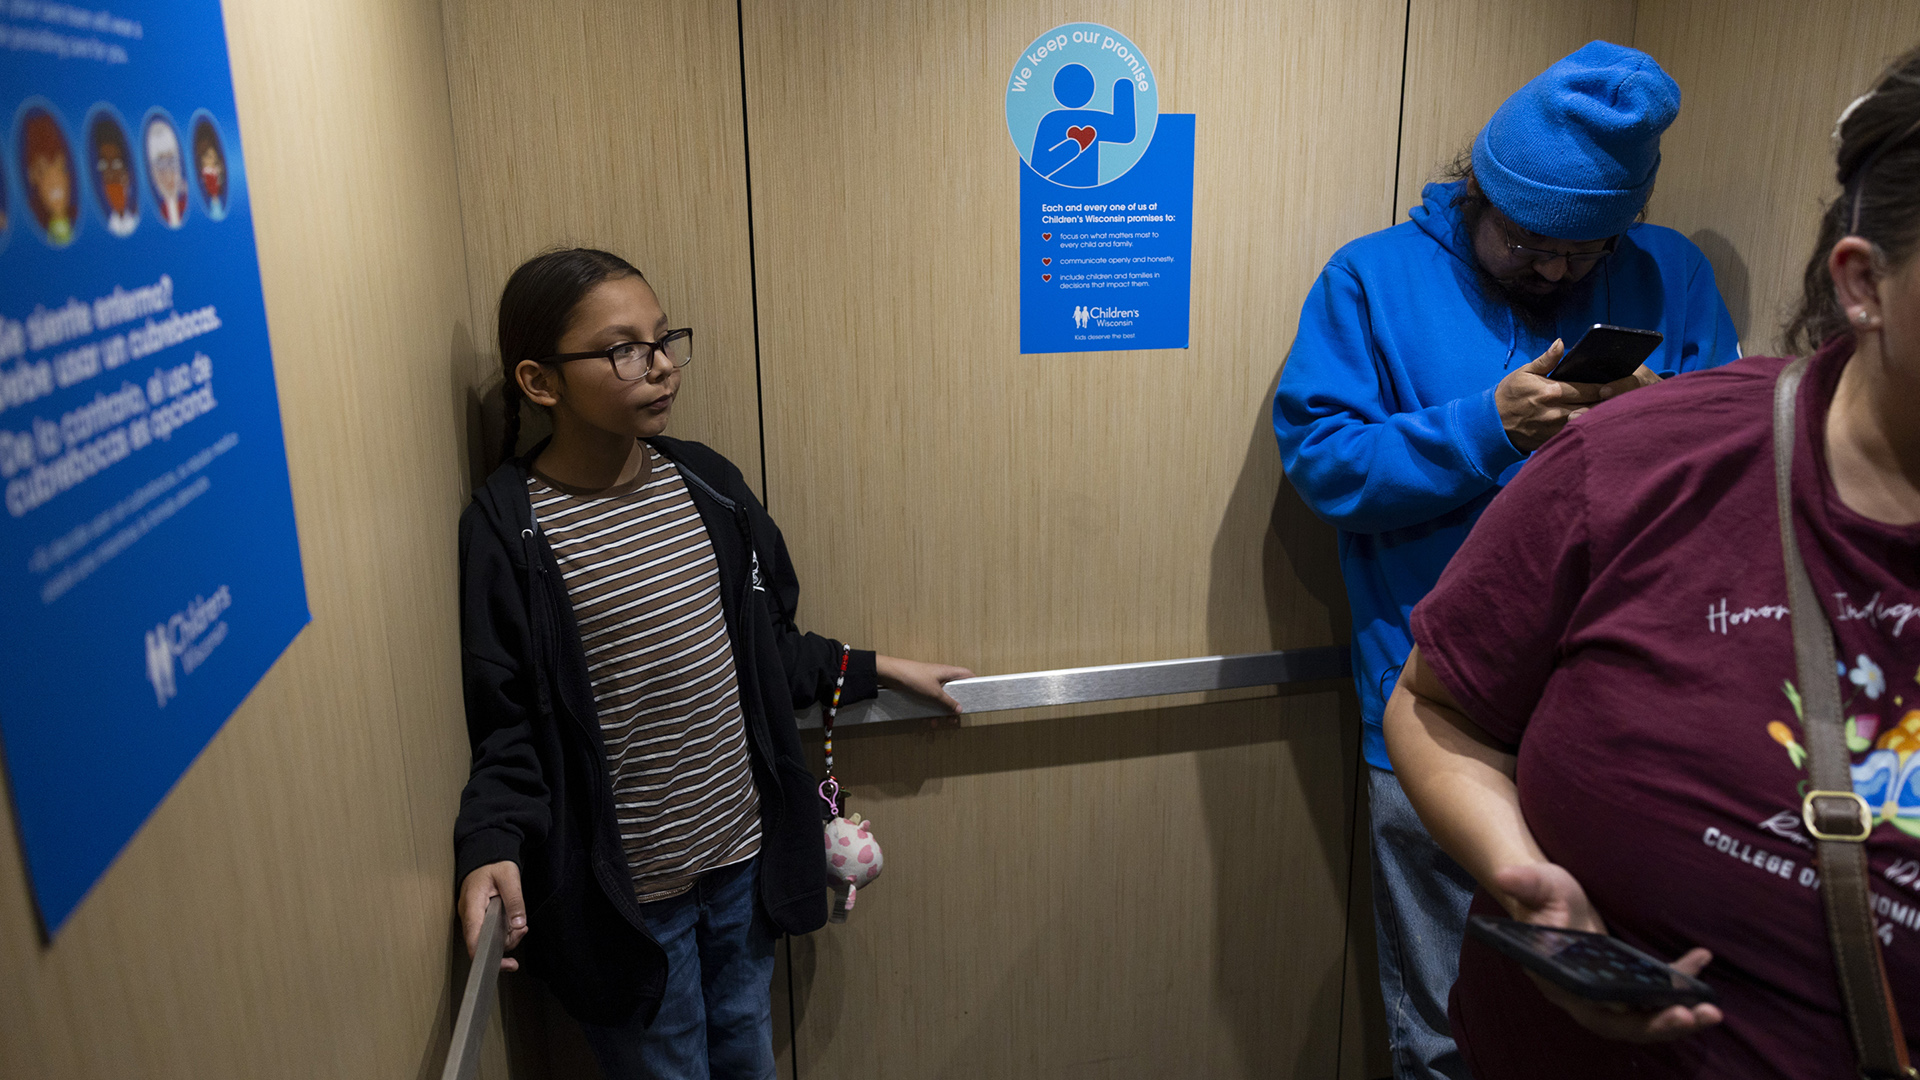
[1127,893]
[1748,166]
[285,910]
[825,190]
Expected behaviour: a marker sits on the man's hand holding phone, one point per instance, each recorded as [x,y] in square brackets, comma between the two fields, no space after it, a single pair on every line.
[1533,408]
[1537,400]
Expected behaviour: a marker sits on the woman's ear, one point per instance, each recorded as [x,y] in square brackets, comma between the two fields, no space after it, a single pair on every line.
[1854,265]
[539,382]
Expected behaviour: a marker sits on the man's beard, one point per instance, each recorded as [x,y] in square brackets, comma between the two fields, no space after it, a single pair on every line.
[1538,310]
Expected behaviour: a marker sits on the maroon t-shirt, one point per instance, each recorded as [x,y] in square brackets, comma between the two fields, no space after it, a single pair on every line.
[1619,616]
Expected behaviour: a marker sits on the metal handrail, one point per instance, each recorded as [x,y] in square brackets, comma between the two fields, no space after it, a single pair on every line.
[988,693]
[1109,682]
[476,1004]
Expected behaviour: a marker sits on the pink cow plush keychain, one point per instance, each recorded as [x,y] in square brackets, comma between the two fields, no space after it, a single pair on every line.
[853,855]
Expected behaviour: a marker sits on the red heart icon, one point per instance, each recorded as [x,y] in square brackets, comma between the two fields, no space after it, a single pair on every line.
[1046,262]
[1046,277]
[1081,135]
[1046,236]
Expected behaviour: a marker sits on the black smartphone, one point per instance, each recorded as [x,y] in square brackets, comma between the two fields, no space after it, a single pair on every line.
[1592,966]
[1605,353]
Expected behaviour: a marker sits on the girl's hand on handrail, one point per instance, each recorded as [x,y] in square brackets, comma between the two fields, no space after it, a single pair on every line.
[920,677]
[500,879]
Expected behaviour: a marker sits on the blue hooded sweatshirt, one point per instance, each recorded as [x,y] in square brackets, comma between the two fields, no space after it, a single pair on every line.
[1385,411]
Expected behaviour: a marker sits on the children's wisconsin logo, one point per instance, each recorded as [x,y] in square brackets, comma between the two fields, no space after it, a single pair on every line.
[189,635]
[1082,105]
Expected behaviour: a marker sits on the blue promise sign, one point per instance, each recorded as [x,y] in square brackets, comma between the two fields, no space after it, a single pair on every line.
[1106,197]
[149,566]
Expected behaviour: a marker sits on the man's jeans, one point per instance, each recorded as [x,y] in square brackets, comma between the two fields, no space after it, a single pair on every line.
[1420,898]
[716,1019]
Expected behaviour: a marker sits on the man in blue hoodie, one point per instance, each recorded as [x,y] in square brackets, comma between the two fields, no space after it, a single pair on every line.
[1417,386]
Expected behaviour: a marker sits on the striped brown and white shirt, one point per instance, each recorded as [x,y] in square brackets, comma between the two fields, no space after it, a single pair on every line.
[640,572]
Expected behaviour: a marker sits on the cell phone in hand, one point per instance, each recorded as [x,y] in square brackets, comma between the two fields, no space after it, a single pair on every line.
[1605,353]
[1592,966]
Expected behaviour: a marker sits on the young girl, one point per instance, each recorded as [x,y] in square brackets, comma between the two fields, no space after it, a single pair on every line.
[638,798]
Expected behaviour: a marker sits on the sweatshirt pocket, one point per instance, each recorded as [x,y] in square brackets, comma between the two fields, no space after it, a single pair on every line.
[799,790]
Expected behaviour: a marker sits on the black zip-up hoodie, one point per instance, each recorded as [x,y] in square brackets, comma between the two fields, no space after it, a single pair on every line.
[539,793]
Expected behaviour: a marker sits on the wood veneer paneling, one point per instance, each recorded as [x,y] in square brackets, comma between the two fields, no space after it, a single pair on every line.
[1146,894]
[1127,894]
[285,911]
[1748,165]
[955,498]
[603,123]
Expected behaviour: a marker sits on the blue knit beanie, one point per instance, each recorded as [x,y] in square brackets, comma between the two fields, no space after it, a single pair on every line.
[1572,154]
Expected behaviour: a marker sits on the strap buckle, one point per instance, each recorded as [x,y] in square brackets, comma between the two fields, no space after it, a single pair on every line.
[1836,815]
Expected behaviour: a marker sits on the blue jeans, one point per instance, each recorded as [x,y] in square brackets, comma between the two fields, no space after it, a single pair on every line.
[716,1019]
[1420,898]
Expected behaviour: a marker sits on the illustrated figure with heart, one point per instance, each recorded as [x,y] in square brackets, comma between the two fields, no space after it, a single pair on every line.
[1066,149]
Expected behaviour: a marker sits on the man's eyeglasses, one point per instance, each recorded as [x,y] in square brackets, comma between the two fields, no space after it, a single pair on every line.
[633,360]
[1576,260]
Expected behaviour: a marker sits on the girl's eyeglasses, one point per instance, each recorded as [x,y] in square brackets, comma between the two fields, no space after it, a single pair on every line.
[632,360]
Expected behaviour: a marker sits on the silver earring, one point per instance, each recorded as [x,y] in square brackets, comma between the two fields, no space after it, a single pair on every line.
[1860,316]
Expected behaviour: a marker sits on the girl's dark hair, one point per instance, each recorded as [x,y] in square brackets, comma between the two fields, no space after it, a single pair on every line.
[535,309]
[1878,167]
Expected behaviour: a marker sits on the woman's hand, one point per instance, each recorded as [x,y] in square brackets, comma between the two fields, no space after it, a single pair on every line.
[1544,894]
[918,677]
[1462,784]
[500,879]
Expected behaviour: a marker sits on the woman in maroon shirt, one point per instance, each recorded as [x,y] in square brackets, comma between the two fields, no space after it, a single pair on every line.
[1599,720]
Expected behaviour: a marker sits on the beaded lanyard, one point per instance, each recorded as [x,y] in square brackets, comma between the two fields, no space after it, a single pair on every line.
[830,787]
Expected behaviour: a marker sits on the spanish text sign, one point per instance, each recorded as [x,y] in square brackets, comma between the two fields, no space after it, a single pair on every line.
[1106,197]
[149,567]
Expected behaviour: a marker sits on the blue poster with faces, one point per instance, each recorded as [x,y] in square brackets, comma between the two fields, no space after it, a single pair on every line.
[149,567]
[1106,196]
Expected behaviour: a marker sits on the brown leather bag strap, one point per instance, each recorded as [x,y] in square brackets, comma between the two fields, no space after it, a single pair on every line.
[1838,819]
